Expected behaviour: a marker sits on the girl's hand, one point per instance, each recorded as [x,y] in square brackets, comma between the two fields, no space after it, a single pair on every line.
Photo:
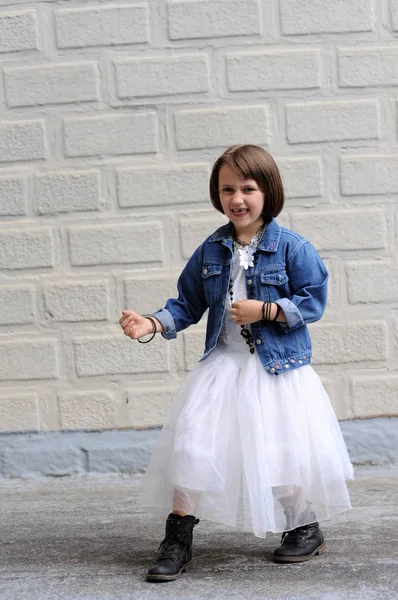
[245,312]
[135,325]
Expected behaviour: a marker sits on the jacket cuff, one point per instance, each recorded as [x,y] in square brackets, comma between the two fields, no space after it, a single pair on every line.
[169,329]
[292,314]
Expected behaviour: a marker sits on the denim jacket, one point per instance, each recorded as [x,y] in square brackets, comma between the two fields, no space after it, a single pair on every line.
[287,270]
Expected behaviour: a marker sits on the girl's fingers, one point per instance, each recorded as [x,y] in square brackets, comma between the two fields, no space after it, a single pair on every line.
[129,329]
[126,314]
[127,321]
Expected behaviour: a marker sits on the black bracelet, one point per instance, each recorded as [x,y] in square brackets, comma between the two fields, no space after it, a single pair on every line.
[153,333]
[278,310]
[266,311]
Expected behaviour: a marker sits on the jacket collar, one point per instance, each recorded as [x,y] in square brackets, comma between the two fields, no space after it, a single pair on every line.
[269,242]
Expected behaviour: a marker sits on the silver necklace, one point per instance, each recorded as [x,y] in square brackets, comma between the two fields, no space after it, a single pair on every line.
[246,250]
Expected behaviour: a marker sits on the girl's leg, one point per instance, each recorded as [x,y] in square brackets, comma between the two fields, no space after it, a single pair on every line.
[293,502]
[175,551]
[299,542]
[185,502]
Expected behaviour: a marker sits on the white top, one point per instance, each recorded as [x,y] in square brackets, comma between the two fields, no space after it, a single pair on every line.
[241,260]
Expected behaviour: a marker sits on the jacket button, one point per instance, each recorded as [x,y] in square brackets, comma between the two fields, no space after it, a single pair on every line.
[272,370]
[205,271]
[250,282]
[258,342]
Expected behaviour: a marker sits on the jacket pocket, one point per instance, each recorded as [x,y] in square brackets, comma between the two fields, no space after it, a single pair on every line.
[211,270]
[211,278]
[274,277]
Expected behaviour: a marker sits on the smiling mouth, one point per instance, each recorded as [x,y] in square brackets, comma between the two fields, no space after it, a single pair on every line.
[240,212]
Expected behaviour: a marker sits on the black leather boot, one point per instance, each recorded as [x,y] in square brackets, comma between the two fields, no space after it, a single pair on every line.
[175,551]
[300,544]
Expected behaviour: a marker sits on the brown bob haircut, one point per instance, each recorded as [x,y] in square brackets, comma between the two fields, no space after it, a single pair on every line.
[252,162]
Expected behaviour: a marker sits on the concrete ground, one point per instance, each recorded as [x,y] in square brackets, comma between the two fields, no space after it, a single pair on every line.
[83,539]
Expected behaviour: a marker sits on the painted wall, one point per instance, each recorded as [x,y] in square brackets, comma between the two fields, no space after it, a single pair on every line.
[111,115]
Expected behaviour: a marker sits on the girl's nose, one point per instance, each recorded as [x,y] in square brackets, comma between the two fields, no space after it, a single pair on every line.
[237,198]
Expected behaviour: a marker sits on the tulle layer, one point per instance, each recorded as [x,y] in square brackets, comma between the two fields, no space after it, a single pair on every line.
[249,450]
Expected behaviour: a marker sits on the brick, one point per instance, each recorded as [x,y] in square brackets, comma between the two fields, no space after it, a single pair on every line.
[376,396]
[300,17]
[17,304]
[30,359]
[147,406]
[122,243]
[194,231]
[51,84]
[354,174]
[19,413]
[68,191]
[335,284]
[22,140]
[332,121]
[136,78]
[366,67]
[349,342]
[117,355]
[213,18]
[146,294]
[101,26]
[340,401]
[302,177]
[370,282]
[273,70]
[26,248]
[161,186]
[211,128]
[394,14]
[343,230]
[13,199]
[194,346]
[94,410]
[111,134]
[18,31]
[77,301]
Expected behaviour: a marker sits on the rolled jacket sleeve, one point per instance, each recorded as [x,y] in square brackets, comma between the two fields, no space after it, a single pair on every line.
[308,280]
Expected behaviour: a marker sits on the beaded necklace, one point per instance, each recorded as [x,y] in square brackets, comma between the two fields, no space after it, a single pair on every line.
[246,252]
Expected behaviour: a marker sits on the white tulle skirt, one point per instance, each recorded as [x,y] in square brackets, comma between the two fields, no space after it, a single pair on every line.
[245,449]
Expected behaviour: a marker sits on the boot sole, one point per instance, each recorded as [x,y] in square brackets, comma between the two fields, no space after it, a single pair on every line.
[168,577]
[295,559]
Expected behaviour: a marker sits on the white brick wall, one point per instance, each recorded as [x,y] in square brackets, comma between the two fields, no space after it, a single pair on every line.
[213,18]
[108,25]
[111,115]
[53,84]
[18,30]
[22,140]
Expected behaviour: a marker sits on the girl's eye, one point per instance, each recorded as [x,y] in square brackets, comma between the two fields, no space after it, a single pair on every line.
[249,189]
[227,189]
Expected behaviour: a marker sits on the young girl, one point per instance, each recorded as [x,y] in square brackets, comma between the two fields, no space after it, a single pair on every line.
[251,439]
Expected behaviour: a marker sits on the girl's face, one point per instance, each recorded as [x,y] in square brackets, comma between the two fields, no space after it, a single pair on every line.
[241,199]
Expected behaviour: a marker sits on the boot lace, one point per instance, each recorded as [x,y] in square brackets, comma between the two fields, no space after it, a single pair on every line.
[297,536]
[170,547]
